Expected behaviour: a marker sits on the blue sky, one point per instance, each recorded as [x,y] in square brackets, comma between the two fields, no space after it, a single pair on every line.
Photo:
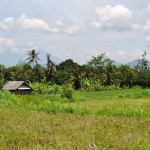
[76,29]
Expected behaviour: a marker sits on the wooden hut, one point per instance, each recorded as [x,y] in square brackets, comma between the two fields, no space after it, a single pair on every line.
[18,87]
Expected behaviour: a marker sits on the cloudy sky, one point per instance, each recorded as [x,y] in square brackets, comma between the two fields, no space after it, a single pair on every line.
[76,29]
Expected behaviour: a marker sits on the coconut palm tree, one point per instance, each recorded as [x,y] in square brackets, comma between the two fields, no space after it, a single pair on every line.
[50,68]
[33,57]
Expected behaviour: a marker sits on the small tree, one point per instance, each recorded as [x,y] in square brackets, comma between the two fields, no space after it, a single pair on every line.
[50,68]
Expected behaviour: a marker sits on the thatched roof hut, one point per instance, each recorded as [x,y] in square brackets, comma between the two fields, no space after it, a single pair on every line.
[18,87]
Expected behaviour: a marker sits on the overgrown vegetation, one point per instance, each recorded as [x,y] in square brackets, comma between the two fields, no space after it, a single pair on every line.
[93,106]
[114,119]
[126,103]
[98,74]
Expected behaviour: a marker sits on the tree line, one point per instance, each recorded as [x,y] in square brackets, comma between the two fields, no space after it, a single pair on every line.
[99,71]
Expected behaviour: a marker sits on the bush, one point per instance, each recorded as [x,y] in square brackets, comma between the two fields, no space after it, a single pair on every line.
[67,92]
[68,109]
[45,88]
[9,100]
[136,87]
[95,85]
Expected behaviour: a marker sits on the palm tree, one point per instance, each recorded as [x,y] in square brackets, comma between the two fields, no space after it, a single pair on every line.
[50,68]
[33,57]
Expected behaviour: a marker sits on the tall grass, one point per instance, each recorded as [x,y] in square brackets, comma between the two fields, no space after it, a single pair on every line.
[112,94]
[8,100]
[94,120]
[93,103]
[38,130]
[123,111]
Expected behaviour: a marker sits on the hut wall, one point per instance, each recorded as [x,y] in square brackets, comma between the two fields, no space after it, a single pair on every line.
[23,92]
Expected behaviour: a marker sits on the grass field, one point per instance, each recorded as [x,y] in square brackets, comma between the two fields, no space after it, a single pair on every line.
[118,119]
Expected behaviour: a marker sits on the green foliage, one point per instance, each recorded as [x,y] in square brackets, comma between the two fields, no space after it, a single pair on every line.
[67,65]
[96,75]
[98,61]
[92,84]
[69,109]
[142,77]
[45,88]
[50,68]
[33,57]
[137,87]
[1,76]
[9,100]
[4,95]
[38,73]
[1,81]
[61,77]
[65,70]
[125,75]
[57,126]
[143,62]
[55,103]
[67,92]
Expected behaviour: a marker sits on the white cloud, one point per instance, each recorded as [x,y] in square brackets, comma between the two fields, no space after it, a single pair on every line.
[146,27]
[136,27]
[62,25]
[7,23]
[6,44]
[35,24]
[112,18]
[119,55]
[110,13]
[73,29]
[143,29]
[124,56]
[142,25]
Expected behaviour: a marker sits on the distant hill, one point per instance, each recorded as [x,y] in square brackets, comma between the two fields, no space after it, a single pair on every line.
[116,63]
[135,62]
[11,59]
[131,63]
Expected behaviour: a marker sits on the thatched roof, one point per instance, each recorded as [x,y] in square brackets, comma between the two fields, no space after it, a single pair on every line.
[14,85]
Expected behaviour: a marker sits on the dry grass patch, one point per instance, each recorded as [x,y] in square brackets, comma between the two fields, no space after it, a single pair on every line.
[39,130]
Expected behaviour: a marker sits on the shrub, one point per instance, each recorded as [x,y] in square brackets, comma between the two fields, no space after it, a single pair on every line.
[67,92]
[9,100]
[45,88]
[83,111]
[137,87]
[68,109]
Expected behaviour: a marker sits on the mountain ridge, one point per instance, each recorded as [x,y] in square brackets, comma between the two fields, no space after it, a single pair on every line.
[11,59]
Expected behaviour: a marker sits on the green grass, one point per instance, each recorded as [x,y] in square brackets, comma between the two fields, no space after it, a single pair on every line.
[117,119]
[112,94]
[83,103]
